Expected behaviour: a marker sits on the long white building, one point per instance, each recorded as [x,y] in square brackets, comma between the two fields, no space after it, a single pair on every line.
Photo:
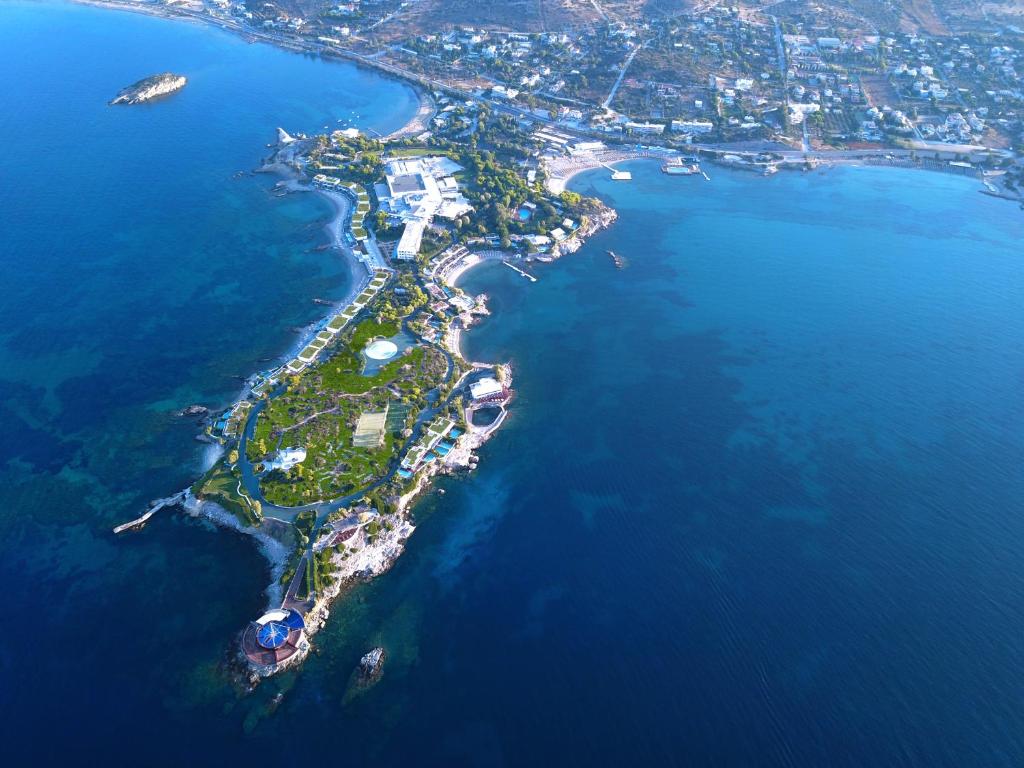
[409,245]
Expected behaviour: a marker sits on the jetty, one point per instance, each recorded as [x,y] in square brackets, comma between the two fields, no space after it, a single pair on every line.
[618,175]
[527,275]
[137,523]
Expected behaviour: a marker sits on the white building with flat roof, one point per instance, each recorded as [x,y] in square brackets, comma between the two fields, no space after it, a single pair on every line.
[409,245]
[418,189]
[581,147]
[486,388]
[692,126]
[650,128]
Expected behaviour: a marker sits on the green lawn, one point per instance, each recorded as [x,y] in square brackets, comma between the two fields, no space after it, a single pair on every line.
[220,485]
[414,152]
[321,406]
[371,329]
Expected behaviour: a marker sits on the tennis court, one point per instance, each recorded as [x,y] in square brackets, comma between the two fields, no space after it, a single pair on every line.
[369,431]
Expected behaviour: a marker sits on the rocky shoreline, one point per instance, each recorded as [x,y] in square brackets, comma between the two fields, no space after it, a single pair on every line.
[602,218]
[272,549]
[367,557]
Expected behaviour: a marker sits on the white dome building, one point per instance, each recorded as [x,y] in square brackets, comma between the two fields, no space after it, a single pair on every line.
[381,349]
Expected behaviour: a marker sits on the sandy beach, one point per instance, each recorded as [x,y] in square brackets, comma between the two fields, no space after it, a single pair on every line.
[561,170]
[452,276]
[420,121]
[359,272]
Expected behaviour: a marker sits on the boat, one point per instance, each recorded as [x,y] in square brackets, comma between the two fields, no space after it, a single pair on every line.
[617,260]
[676,167]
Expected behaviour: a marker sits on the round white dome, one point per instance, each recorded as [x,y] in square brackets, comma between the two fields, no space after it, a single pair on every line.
[382,349]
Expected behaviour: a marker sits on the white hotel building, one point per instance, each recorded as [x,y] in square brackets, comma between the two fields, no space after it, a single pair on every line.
[416,190]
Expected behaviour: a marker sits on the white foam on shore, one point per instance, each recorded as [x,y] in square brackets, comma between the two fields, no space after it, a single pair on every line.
[210,456]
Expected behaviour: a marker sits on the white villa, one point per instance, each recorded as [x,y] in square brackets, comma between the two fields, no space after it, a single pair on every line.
[286,459]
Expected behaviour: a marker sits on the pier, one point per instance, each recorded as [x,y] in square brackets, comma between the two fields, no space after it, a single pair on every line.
[618,175]
[137,523]
[527,275]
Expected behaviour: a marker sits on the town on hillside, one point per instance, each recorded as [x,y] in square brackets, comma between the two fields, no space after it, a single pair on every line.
[935,80]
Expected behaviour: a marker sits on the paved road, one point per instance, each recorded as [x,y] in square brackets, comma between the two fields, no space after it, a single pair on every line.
[622,74]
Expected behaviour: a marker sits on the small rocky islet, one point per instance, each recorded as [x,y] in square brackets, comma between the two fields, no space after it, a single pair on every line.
[150,88]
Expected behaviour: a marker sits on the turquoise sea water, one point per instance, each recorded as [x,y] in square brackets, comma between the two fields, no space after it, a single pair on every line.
[758,502]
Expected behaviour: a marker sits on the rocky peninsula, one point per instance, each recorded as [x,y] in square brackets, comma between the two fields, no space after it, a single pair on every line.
[150,88]
[323,455]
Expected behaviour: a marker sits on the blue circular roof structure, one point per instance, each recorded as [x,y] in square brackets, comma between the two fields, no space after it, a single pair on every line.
[272,635]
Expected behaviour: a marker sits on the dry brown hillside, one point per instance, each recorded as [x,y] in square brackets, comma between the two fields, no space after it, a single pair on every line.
[430,16]
[542,15]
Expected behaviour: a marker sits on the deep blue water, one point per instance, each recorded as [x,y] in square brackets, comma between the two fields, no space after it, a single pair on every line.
[758,503]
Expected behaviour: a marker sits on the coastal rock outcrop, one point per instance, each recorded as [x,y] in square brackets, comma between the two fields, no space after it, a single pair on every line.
[150,88]
[365,675]
[371,666]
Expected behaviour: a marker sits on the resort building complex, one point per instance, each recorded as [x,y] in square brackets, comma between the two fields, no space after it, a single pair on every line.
[414,191]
